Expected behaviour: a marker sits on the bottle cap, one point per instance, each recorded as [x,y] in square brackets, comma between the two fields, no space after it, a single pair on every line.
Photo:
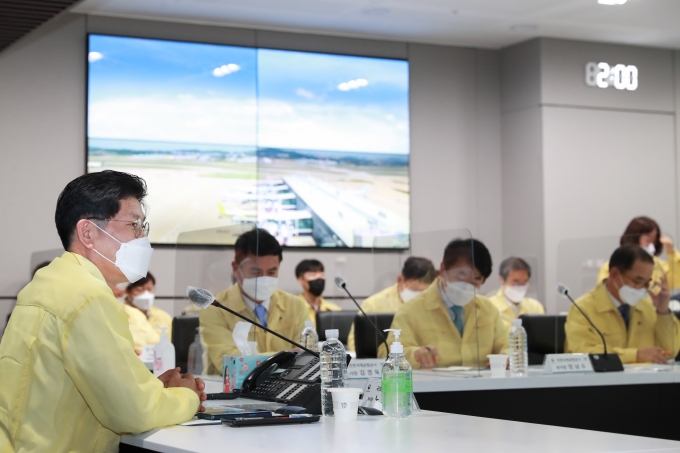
[309,324]
[332,333]
[396,347]
[517,322]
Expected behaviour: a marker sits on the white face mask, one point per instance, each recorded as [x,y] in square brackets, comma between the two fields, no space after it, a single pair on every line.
[260,288]
[132,258]
[408,294]
[516,293]
[459,293]
[144,301]
[650,248]
[630,295]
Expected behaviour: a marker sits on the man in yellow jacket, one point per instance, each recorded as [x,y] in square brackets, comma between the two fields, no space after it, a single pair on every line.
[139,300]
[416,276]
[511,300]
[448,324]
[70,380]
[633,316]
[311,277]
[257,257]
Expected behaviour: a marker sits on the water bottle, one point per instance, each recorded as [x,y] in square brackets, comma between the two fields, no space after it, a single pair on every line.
[195,360]
[519,357]
[308,338]
[397,381]
[333,360]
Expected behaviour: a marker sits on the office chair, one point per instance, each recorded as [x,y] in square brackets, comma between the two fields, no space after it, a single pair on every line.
[341,320]
[545,335]
[366,339]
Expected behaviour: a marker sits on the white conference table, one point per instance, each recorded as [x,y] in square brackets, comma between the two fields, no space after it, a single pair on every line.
[425,431]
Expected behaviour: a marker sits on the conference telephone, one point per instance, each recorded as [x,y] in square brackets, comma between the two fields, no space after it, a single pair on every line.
[287,377]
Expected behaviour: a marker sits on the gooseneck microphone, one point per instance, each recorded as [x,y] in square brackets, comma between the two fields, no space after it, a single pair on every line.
[342,284]
[203,298]
[601,362]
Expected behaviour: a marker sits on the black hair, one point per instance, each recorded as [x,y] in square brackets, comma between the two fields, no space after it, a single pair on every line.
[513,263]
[149,278]
[420,269]
[625,257]
[94,195]
[470,250]
[305,266]
[257,242]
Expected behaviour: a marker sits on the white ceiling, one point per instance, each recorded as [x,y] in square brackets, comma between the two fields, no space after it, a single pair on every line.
[475,23]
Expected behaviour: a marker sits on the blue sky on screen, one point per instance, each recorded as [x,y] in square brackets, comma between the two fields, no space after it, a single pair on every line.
[143,89]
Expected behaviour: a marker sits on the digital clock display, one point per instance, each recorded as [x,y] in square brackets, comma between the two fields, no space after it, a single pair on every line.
[604,75]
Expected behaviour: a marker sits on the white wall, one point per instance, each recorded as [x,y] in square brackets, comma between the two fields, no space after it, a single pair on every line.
[455,141]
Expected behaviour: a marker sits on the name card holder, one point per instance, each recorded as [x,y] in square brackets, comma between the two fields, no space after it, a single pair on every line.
[365,368]
[567,363]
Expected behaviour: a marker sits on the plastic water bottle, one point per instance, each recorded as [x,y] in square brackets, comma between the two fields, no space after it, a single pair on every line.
[397,381]
[519,357]
[163,354]
[195,360]
[309,338]
[333,360]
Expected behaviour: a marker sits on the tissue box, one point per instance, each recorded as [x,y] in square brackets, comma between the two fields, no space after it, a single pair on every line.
[235,368]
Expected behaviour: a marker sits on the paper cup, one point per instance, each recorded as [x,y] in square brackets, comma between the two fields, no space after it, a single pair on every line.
[498,362]
[345,403]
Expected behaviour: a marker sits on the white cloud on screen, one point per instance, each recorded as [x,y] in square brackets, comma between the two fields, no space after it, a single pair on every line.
[181,119]
[94,56]
[305,93]
[226,69]
[330,127]
[353,84]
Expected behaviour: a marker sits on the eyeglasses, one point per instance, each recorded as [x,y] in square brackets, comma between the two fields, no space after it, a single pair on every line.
[138,226]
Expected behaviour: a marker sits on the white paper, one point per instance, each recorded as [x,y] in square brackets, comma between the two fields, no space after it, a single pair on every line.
[453,368]
[240,336]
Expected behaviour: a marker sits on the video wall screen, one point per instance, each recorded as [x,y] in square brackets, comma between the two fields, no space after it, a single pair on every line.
[313,147]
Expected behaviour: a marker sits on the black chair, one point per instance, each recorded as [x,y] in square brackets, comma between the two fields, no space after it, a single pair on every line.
[183,334]
[341,320]
[366,339]
[545,335]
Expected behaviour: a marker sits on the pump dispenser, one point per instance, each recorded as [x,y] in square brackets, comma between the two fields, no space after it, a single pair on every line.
[163,354]
[397,381]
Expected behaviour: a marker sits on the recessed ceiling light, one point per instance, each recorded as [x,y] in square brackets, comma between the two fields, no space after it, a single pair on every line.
[376,11]
[524,28]
[612,2]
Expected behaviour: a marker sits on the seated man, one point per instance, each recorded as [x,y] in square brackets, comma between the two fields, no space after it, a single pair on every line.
[443,325]
[310,275]
[511,300]
[145,318]
[257,257]
[70,378]
[632,315]
[416,275]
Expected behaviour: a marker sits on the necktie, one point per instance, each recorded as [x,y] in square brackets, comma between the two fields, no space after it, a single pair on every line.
[624,309]
[261,314]
[456,314]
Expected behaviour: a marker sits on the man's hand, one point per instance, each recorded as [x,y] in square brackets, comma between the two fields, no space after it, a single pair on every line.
[652,354]
[165,377]
[187,381]
[427,356]
[660,295]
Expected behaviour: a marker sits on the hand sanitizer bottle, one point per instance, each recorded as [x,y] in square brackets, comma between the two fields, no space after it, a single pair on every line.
[163,354]
[397,381]
[195,359]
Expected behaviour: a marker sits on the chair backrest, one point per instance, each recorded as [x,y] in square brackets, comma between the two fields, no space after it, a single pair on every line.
[545,335]
[183,334]
[341,320]
[366,339]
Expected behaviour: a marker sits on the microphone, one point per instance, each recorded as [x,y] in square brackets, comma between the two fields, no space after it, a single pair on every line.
[601,362]
[203,298]
[342,284]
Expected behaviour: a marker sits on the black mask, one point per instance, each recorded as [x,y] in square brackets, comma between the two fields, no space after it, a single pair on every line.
[316,286]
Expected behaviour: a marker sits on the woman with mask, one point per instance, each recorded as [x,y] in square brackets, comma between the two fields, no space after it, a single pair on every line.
[311,277]
[511,300]
[139,300]
[646,233]
[448,324]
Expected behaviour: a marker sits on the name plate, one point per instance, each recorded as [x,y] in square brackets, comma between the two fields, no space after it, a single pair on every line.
[567,363]
[365,368]
[372,394]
